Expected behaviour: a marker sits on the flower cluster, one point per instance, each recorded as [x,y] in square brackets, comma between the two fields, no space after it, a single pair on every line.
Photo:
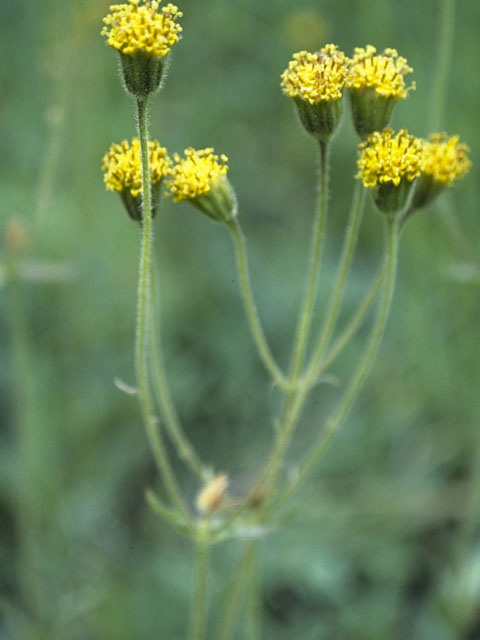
[385,157]
[446,159]
[385,73]
[316,76]
[132,27]
[317,81]
[122,167]
[194,175]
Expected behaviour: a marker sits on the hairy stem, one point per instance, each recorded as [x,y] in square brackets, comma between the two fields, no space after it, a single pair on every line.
[142,323]
[350,242]
[161,389]
[234,596]
[297,393]
[258,335]
[363,369]
[253,614]
[352,327]
[199,620]
[306,314]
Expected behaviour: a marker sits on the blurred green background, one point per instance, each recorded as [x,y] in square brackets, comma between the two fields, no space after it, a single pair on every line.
[384,541]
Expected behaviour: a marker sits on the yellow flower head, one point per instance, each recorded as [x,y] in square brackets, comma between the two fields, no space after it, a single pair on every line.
[385,72]
[446,160]
[195,174]
[122,166]
[388,158]
[314,77]
[134,27]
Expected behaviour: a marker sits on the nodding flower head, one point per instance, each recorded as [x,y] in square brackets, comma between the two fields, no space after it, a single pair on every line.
[123,173]
[376,82]
[445,162]
[143,34]
[201,178]
[388,164]
[316,82]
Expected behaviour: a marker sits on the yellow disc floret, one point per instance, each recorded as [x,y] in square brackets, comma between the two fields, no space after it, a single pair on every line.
[134,27]
[194,175]
[446,159]
[314,77]
[388,158]
[122,167]
[384,72]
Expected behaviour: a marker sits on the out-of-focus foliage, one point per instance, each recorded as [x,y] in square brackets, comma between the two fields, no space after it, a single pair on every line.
[383,542]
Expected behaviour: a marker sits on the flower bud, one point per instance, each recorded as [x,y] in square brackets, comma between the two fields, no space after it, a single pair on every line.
[388,165]
[376,83]
[201,178]
[315,81]
[143,35]
[123,173]
[212,496]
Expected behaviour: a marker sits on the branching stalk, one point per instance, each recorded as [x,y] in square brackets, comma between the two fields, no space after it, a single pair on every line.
[350,242]
[363,369]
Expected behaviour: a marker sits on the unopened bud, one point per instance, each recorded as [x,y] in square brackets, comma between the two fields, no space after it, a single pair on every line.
[211,497]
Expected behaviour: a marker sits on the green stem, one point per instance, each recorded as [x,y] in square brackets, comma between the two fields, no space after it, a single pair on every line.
[251,308]
[355,385]
[199,621]
[163,396]
[306,314]
[252,626]
[143,319]
[352,327]
[234,596]
[444,56]
[351,236]
[297,393]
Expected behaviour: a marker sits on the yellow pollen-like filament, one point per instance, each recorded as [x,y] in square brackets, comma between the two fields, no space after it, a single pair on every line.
[195,174]
[385,72]
[385,157]
[132,27]
[122,167]
[316,76]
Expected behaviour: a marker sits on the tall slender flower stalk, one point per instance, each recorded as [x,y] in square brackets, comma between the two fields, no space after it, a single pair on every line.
[143,320]
[162,393]
[318,236]
[351,236]
[258,334]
